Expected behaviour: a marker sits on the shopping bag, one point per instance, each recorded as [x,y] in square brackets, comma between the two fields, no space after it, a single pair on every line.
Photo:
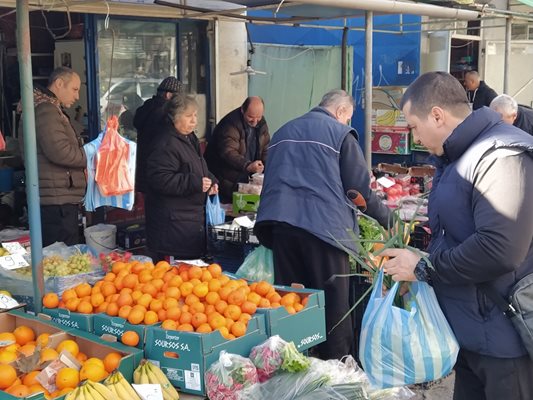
[112,174]
[258,266]
[215,214]
[2,142]
[403,346]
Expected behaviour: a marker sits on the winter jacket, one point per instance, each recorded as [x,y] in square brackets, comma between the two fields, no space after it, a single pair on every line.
[481,217]
[313,161]
[482,96]
[147,119]
[61,160]
[174,202]
[524,119]
[226,151]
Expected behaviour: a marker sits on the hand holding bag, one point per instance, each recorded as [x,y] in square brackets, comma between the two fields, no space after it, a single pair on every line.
[215,214]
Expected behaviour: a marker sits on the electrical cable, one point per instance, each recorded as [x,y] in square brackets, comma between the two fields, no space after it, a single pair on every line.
[56,37]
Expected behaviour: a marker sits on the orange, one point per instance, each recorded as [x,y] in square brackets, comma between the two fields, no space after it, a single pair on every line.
[12,347]
[101,308]
[162,314]
[7,337]
[206,276]
[67,378]
[19,391]
[124,311]
[130,280]
[245,317]
[198,319]
[83,289]
[195,272]
[136,317]
[169,325]
[150,318]
[232,284]
[173,292]
[156,305]
[185,328]
[254,298]
[197,307]
[186,288]
[81,357]
[7,357]
[290,309]
[84,307]
[237,297]
[42,339]
[263,288]
[210,308]
[238,329]
[145,276]
[168,276]
[93,372]
[145,300]
[215,270]
[110,277]
[29,378]
[137,268]
[96,361]
[65,391]
[223,279]
[185,317]
[204,328]
[233,312]
[50,300]
[212,298]
[126,291]
[70,345]
[173,313]
[36,388]
[16,381]
[175,281]
[214,285]
[264,303]
[170,303]
[273,297]
[150,289]
[118,266]
[224,332]
[139,307]
[68,294]
[298,307]
[249,307]
[201,290]
[97,299]
[72,304]
[124,299]
[184,275]
[224,292]
[163,264]
[23,335]
[217,321]
[287,299]
[112,361]
[27,349]
[112,309]
[221,306]
[49,354]
[130,338]
[191,298]
[275,305]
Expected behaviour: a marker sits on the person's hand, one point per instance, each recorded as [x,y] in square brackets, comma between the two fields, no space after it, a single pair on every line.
[214,189]
[256,167]
[401,264]
[206,184]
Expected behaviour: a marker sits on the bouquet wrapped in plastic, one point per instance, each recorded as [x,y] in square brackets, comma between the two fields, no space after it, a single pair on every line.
[229,376]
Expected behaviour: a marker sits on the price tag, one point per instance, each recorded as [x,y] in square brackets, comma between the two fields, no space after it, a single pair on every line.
[14,261]
[149,391]
[386,182]
[14,248]
[6,303]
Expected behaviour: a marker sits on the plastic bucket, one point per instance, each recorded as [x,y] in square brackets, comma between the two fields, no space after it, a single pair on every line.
[101,237]
[6,179]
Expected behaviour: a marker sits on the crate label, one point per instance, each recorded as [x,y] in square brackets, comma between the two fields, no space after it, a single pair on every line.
[116,330]
[171,342]
[66,322]
[309,339]
[175,374]
[192,380]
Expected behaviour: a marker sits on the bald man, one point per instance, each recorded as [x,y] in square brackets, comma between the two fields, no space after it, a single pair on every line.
[479,93]
[513,113]
[238,146]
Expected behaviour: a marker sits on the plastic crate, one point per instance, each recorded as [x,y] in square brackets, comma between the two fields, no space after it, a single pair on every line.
[224,233]
[230,255]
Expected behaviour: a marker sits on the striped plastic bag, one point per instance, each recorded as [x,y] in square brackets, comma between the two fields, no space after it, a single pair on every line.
[403,346]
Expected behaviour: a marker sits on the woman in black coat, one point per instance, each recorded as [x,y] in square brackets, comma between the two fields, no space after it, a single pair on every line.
[178,184]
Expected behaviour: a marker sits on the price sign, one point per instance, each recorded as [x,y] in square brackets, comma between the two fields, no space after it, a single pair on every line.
[149,391]
[14,248]
[13,261]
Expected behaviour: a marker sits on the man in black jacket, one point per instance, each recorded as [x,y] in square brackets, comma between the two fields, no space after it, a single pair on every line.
[513,113]
[147,117]
[479,93]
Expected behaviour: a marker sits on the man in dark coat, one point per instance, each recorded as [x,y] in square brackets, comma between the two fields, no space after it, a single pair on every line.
[479,93]
[481,219]
[513,113]
[238,146]
[147,118]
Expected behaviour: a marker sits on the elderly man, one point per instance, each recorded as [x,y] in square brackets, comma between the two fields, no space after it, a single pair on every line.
[512,113]
[238,146]
[60,156]
[481,219]
[306,214]
[479,93]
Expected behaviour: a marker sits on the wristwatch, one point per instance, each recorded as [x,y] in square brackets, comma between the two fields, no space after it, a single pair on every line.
[422,272]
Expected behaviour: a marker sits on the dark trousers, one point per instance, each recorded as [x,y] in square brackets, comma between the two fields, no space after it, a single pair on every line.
[479,377]
[300,257]
[59,223]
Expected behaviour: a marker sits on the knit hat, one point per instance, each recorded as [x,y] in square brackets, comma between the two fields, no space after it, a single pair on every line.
[170,84]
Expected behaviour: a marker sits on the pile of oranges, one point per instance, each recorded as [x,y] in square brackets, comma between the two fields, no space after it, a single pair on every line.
[67,379]
[184,298]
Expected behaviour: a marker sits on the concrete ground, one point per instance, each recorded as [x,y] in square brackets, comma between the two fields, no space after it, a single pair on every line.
[441,390]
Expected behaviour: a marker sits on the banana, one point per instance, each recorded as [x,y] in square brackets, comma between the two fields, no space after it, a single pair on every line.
[144,377]
[101,392]
[137,374]
[82,394]
[158,376]
[74,394]
[124,388]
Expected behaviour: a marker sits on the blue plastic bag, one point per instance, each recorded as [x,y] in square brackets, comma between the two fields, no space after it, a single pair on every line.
[215,214]
[405,346]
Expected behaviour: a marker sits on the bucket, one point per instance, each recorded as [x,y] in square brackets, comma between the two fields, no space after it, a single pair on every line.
[6,179]
[101,237]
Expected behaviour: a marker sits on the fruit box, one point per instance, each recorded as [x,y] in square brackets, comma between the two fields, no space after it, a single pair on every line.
[185,356]
[245,202]
[103,324]
[391,141]
[10,320]
[65,317]
[36,396]
[307,327]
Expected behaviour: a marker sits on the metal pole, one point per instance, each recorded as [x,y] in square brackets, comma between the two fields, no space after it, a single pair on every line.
[368,88]
[506,64]
[30,148]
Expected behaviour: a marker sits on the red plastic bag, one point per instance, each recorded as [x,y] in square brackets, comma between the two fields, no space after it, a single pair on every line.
[112,174]
[2,142]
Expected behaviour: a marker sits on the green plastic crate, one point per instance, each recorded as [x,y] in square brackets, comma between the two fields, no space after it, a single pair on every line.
[245,202]
[193,353]
[103,324]
[306,328]
[70,319]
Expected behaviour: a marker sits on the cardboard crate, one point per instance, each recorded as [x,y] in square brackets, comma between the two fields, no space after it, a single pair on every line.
[10,320]
[245,202]
[62,316]
[131,236]
[306,328]
[103,324]
[193,353]
[388,118]
[391,142]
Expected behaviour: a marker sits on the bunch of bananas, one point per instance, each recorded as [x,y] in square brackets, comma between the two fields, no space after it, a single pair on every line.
[89,390]
[3,252]
[388,118]
[147,372]
[120,387]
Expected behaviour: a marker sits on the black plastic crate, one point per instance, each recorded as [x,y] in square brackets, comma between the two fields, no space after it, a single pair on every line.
[230,255]
[220,233]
